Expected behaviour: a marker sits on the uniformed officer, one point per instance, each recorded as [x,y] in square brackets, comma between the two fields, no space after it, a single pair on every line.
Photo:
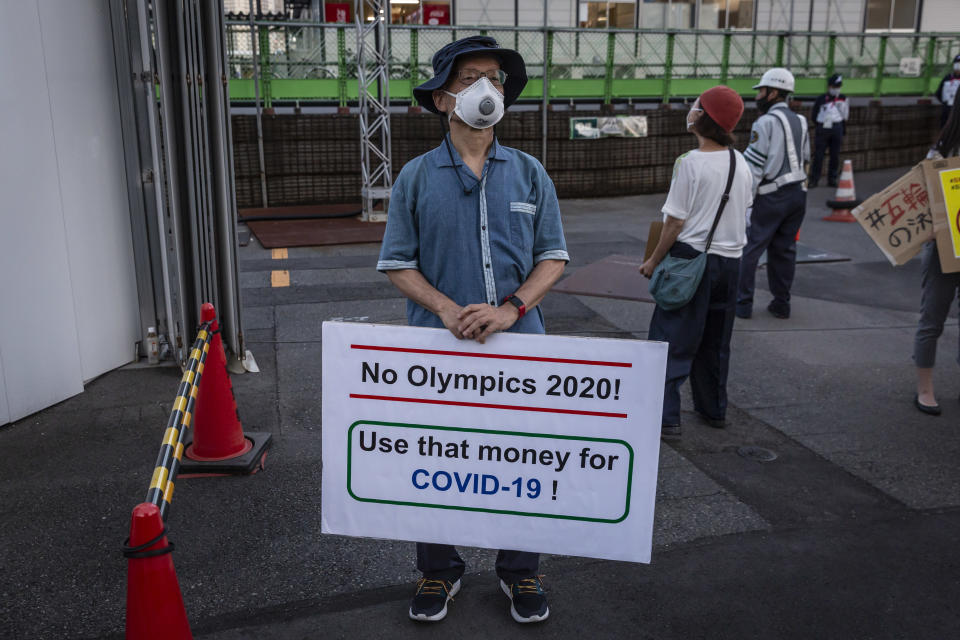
[778,151]
[947,91]
[831,112]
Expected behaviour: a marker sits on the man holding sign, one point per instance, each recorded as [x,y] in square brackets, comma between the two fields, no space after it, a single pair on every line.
[474,241]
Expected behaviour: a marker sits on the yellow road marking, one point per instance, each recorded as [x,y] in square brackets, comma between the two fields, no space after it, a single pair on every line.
[280,278]
[279,254]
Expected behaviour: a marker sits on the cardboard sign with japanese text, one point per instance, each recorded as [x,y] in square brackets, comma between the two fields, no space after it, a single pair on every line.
[528,442]
[898,219]
[943,186]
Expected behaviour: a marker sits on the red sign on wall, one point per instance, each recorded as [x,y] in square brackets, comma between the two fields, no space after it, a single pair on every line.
[434,14]
[336,12]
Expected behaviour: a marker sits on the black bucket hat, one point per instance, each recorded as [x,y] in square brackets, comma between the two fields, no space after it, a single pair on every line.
[444,62]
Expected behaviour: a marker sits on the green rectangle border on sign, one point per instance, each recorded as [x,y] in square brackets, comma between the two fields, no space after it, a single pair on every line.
[626,511]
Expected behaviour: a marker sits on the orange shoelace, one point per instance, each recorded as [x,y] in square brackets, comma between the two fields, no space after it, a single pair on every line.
[432,587]
[530,585]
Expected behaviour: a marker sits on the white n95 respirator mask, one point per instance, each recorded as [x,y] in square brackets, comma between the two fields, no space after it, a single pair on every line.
[480,105]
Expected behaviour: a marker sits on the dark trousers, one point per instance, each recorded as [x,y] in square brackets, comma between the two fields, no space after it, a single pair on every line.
[699,337]
[939,291]
[442,562]
[774,224]
[832,138]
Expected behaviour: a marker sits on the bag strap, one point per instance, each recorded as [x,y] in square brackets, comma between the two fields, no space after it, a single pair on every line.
[724,198]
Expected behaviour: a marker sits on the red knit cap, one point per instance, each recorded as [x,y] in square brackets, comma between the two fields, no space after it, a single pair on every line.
[724,105]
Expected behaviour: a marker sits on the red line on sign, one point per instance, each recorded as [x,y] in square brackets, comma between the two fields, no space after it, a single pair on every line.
[510,407]
[498,356]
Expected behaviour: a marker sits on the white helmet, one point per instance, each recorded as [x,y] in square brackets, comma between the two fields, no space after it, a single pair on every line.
[777,78]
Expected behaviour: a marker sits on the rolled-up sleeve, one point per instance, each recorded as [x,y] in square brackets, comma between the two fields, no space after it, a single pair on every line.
[548,240]
[401,243]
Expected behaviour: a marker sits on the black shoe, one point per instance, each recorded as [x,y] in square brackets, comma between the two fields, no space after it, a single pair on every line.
[930,410]
[744,314]
[716,423]
[778,312]
[670,432]
[528,602]
[429,603]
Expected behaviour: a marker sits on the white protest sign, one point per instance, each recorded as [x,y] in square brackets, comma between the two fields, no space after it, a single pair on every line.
[534,443]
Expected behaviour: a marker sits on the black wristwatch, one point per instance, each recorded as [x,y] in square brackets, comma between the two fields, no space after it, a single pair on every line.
[518,303]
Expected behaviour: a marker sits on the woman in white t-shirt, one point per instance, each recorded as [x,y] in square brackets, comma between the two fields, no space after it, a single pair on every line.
[699,332]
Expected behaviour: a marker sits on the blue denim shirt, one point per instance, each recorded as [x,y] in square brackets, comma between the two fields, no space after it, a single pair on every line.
[477,247]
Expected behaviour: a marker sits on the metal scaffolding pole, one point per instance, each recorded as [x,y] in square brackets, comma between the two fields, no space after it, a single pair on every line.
[545,101]
[256,94]
[177,147]
[373,47]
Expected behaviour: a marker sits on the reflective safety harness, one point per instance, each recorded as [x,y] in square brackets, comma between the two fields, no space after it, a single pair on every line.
[796,173]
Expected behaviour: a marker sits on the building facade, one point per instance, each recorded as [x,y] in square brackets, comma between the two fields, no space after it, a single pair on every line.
[795,15]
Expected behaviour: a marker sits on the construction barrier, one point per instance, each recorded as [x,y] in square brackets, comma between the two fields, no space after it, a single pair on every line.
[171,449]
[154,602]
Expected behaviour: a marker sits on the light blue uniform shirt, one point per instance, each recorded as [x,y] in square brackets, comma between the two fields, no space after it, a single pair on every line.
[474,248]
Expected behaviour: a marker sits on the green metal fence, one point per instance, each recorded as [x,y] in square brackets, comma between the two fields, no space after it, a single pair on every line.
[315,62]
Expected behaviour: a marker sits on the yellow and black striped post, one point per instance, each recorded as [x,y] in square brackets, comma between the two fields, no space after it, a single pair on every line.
[171,450]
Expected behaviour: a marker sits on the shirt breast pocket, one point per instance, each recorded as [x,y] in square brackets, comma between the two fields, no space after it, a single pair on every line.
[521,223]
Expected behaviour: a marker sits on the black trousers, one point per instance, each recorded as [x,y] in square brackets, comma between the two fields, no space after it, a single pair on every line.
[442,562]
[831,138]
[699,337]
[774,224]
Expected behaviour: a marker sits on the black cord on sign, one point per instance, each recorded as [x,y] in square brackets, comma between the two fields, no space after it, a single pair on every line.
[138,551]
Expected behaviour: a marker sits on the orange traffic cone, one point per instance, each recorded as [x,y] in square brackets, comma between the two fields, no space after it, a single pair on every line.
[154,603]
[846,198]
[219,443]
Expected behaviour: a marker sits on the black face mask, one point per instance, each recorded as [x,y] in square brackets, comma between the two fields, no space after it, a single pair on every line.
[764,104]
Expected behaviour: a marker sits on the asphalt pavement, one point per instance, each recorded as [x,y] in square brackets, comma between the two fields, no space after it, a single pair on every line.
[851,530]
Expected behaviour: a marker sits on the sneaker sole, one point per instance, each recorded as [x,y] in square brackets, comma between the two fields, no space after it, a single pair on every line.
[437,617]
[513,611]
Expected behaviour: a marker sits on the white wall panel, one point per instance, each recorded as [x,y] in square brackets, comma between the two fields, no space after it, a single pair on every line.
[78,51]
[940,15]
[38,333]
[4,408]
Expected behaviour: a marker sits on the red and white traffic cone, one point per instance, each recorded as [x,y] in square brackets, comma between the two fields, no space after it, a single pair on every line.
[219,443]
[154,602]
[846,198]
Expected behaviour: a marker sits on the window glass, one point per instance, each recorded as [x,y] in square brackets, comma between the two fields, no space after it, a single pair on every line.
[740,13]
[681,14]
[878,14]
[713,14]
[405,12]
[603,15]
[653,14]
[904,14]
